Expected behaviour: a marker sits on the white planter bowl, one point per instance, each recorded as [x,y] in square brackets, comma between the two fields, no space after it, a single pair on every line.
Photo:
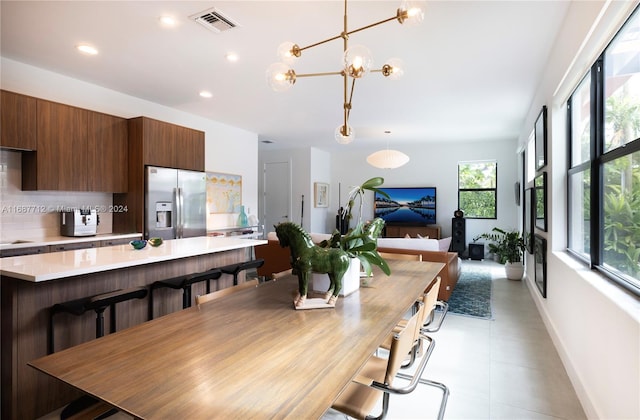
[350,280]
[514,271]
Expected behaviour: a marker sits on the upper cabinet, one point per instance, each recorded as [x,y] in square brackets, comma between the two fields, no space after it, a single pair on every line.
[77,150]
[107,153]
[60,160]
[169,145]
[18,121]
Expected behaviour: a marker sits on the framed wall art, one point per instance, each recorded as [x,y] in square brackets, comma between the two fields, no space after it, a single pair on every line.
[527,219]
[224,193]
[540,133]
[541,264]
[540,201]
[321,194]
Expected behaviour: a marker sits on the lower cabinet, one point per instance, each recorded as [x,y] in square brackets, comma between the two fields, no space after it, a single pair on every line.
[112,242]
[72,246]
[16,252]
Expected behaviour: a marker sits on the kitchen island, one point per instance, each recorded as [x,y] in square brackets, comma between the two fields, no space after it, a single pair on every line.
[32,284]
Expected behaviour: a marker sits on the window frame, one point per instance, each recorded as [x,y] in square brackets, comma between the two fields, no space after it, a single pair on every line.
[596,164]
[495,190]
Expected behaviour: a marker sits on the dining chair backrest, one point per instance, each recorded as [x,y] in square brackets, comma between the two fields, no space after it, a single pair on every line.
[226,291]
[430,296]
[402,257]
[401,344]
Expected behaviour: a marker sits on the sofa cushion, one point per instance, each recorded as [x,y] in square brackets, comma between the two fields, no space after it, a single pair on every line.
[444,243]
[411,243]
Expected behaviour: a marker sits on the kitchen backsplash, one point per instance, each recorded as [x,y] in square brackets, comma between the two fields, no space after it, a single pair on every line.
[36,214]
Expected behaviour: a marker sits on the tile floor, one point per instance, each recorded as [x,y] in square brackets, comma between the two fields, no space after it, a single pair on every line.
[503,368]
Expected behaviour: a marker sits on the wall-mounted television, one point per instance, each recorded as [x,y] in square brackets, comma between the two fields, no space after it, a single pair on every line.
[410,205]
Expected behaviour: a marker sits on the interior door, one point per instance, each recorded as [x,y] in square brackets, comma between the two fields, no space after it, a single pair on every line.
[277,194]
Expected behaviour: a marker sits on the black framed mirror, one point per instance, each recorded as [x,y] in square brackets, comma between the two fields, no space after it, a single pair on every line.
[540,200]
[541,264]
[527,219]
[540,133]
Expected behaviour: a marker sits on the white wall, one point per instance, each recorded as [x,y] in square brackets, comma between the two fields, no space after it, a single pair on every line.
[321,220]
[228,149]
[594,324]
[434,165]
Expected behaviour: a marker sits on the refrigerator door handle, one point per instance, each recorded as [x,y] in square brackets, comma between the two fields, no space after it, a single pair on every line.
[176,194]
[182,211]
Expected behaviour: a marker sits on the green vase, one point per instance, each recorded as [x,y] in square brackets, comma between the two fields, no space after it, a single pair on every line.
[242,217]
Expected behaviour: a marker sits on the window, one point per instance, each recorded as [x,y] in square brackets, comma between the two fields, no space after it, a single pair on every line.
[477,186]
[604,161]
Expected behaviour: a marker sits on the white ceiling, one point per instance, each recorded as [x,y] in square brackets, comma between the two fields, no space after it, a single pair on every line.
[472,66]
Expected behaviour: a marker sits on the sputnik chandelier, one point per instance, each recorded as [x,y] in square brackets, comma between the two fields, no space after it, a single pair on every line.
[357,62]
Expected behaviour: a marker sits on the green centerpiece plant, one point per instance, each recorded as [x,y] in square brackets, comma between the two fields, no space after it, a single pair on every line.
[361,241]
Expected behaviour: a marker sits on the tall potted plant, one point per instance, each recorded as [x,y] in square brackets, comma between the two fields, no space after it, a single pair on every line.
[360,242]
[509,246]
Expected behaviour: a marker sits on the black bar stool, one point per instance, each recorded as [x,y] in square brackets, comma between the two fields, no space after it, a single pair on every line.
[98,303]
[184,283]
[235,269]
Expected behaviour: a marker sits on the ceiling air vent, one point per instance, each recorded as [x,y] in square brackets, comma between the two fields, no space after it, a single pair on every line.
[213,20]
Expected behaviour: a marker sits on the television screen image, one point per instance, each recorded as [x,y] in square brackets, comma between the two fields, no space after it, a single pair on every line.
[406,205]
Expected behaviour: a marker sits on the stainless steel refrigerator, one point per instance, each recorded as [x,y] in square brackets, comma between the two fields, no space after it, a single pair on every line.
[175,203]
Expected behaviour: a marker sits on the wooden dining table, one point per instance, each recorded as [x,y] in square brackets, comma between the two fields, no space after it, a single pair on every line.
[250,354]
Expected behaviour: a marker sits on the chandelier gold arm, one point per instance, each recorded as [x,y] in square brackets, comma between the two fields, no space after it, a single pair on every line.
[329,73]
[296,50]
[401,16]
[344,133]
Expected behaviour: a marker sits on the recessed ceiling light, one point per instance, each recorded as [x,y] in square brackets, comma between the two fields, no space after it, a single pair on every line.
[206,94]
[167,20]
[231,56]
[87,49]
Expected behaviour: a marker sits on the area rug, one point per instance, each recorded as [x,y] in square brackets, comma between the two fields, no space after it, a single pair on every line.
[472,294]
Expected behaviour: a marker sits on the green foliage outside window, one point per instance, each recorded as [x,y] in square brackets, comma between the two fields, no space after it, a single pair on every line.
[621,203]
[477,189]
[622,214]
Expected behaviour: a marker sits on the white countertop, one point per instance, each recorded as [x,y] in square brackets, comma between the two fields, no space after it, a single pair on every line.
[56,265]
[59,240]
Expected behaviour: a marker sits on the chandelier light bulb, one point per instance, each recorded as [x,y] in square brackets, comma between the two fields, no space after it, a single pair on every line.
[344,134]
[280,77]
[410,14]
[357,61]
[287,52]
[393,68]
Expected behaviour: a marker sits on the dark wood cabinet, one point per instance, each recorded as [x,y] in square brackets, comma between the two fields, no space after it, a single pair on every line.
[158,142]
[77,150]
[18,121]
[154,143]
[107,153]
[60,162]
[399,231]
[190,144]
[74,245]
[168,145]
[16,252]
